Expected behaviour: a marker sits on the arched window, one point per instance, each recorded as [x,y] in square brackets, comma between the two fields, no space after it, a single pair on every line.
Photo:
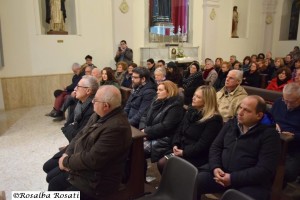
[168,20]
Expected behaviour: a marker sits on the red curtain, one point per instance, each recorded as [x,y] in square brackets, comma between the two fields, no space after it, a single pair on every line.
[179,15]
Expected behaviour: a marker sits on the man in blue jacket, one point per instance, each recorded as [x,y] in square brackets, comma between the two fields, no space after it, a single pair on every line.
[143,92]
[286,113]
[244,155]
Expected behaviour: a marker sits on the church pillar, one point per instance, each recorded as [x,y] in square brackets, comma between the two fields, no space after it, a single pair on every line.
[210,17]
[269,9]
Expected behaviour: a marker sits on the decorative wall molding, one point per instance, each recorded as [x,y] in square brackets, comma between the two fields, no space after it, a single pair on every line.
[269,6]
[211,3]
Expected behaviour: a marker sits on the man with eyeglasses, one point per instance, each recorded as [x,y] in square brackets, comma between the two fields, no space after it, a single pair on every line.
[84,93]
[95,158]
[286,113]
[143,92]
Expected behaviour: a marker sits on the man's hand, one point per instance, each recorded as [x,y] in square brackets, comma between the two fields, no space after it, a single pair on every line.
[221,177]
[287,136]
[60,163]
[177,151]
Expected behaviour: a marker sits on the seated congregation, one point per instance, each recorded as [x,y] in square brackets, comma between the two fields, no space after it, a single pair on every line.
[204,116]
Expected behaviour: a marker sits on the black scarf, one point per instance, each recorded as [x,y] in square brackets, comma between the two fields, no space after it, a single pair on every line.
[187,82]
[80,108]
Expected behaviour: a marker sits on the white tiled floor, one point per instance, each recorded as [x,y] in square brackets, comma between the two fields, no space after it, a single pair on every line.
[27,139]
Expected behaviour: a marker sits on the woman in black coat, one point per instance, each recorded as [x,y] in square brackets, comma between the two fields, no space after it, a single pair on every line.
[252,77]
[161,120]
[191,81]
[200,126]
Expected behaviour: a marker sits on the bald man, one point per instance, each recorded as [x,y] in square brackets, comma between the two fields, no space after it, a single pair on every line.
[95,157]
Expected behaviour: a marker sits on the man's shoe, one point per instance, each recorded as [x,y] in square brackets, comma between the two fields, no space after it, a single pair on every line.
[50,114]
[59,118]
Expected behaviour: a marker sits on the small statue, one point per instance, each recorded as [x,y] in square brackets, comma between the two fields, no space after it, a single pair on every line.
[235,21]
[55,16]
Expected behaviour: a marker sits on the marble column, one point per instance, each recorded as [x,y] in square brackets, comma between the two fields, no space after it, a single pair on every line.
[210,17]
[269,10]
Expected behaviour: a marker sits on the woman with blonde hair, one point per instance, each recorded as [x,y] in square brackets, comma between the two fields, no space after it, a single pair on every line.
[199,127]
[161,120]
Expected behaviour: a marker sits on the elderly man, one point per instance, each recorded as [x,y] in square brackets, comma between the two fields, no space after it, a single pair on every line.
[286,113]
[95,157]
[231,94]
[244,155]
[141,97]
[84,93]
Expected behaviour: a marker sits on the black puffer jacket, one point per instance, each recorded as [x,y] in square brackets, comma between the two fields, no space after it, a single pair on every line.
[160,124]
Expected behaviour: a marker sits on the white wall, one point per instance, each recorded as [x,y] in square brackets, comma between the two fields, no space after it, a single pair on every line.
[27,52]
[251,39]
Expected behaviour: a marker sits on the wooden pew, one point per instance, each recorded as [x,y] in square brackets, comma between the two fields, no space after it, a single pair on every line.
[125,92]
[268,95]
[134,187]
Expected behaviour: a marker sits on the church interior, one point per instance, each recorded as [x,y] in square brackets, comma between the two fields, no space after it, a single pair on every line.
[35,61]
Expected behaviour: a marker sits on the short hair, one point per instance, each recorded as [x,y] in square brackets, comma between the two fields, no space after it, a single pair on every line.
[281,61]
[261,55]
[292,88]
[246,58]
[76,66]
[162,61]
[110,74]
[210,102]
[88,57]
[150,60]
[112,95]
[160,70]
[287,71]
[228,64]
[91,82]
[170,87]
[171,65]
[123,41]
[210,61]
[261,105]
[123,64]
[143,72]
[238,74]
[233,56]
[134,65]
[220,59]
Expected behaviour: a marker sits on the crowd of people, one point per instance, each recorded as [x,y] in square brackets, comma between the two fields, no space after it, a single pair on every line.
[202,114]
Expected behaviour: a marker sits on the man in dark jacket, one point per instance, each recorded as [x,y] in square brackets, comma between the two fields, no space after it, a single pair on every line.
[124,53]
[84,92]
[244,155]
[144,90]
[95,157]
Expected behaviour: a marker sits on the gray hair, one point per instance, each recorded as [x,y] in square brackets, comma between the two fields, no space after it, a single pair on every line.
[291,88]
[238,74]
[112,95]
[160,70]
[210,61]
[91,82]
[76,66]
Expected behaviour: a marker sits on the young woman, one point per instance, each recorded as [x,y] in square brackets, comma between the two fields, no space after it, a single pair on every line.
[108,77]
[283,77]
[161,120]
[220,82]
[199,127]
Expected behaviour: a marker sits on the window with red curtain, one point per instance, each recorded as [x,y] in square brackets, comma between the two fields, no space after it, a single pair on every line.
[169,17]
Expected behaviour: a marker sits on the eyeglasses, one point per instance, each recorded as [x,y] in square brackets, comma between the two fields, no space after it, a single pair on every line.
[81,86]
[95,100]
[288,101]
[135,77]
